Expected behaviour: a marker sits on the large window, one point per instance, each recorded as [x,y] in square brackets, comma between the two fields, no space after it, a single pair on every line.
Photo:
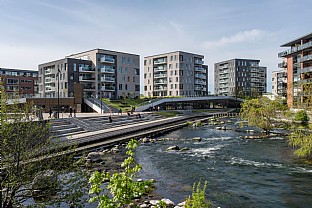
[12,81]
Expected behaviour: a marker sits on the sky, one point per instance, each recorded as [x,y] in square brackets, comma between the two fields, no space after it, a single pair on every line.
[38,31]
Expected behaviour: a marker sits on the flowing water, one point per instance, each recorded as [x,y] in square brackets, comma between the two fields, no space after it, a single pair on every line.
[240,172]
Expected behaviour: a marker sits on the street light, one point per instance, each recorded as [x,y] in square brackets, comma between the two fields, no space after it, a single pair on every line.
[58,93]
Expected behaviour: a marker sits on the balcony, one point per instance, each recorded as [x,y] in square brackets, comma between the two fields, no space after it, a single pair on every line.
[224,72]
[160,88]
[48,71]
[86,69]
[282,65]
[107,79]
[160,75]
[198,61]
[160,82]
[160,68]
[107,88]
[305,58]
[200,82]
[200,88]
[201,69]
[49,88]
[295,49]
[201,76]
[306,69]
[223,81]
[88,88]
[161,61]
[86,79]
[49,80]
[107,69]
[107,59]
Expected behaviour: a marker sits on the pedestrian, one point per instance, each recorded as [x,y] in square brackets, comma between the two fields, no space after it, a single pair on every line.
[120,111]
[75,112]
[110,119]
[70,112]
[50,112]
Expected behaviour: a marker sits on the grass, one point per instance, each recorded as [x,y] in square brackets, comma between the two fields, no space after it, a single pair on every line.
[124,104]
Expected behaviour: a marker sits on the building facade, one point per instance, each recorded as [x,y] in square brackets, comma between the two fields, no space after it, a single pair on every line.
[19,82]
[102,73]
[279,83]
[175,74]
[240,77]
[297,61]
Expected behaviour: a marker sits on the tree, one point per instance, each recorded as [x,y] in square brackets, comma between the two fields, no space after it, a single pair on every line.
[301,116]
[122,186]
[262,112]
[24,144]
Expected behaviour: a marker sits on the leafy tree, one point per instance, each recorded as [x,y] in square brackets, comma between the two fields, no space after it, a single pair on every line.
[302,116]
[22,140]
[302,140]
[122,186]
[262,112]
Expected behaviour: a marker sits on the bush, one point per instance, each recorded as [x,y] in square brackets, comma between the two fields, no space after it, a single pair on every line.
[302,116]
[198,199]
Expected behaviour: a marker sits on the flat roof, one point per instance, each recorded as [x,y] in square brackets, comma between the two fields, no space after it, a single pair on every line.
[19,70]
[102,50]
[240,59]
[173,52]
[298,40]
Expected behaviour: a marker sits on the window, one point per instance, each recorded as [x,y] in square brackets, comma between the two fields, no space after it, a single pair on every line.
[171,86]
[145,76]
[123,60]
[126,87]
[120,86]
[181,58]
[177,79]
[128,78]
[144,62]
[145,88]
[12,81]
[75,67]
[126,70]
[171,58]
[177,65]
[137,88]
[120,70]
[137,71]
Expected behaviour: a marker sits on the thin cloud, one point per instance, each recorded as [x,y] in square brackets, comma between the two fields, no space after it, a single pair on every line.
[244,36]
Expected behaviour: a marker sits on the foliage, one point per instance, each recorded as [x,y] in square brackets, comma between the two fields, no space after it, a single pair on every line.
[262,112]
[124,104]
[122,186]
[302,116]
[198,199]
[189,123]
[302,140]
[22,140]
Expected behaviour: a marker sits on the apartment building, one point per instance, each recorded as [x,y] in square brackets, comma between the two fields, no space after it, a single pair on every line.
[19,82]
[297,61]
[175,74]
[102,73]
[240,77]
[279,83]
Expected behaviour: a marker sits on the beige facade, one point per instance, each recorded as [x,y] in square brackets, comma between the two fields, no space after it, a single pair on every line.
[115,74]
[175,74]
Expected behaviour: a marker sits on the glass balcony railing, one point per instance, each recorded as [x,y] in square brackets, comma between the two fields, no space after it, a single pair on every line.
[200,76]
[107,79]
[107,59]
[305,58]
[200,69]
[107,69]
[86,69]
[160,75]
[198,61]
[108,88]
[306,69]
[282,65]
[160,88]
[81,78]
[160,68]
[160,61]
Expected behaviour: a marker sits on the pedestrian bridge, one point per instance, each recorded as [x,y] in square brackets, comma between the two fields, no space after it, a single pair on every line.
[188,103]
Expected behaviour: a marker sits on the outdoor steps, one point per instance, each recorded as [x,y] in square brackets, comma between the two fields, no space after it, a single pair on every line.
[62,132]
[61,127]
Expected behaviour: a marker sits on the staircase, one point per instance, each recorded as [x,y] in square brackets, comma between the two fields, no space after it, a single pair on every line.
[97,105]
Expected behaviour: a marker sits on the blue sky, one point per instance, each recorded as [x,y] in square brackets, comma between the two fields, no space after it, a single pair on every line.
[38,31]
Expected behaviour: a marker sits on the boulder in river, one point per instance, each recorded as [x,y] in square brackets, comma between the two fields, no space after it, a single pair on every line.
[94,157]
[173,148]
[198,139]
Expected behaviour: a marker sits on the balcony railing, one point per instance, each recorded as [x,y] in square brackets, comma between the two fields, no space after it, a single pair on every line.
[48,71]
[86,69]
[160,75]
[200,76]
[200,88]
[295,49]
[198,61]
[160,61]
[88,88]
[108,88]
[107,59]
[305,58]
[49,79]
[87,79]
[306,69]
[160,88]
[282,65]
[49,88]
[107,79]
[107,69]
[160,82]
[224,72]
[160,68]
[200,82]
[200,69]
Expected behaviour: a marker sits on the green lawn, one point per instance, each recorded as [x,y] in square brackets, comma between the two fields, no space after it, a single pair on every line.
[125,104]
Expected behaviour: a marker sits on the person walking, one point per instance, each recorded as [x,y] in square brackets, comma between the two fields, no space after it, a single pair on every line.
[50,112]
[70,112]
[120,111]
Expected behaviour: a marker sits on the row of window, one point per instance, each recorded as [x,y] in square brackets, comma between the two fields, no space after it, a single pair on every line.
[17,73]
[16,88]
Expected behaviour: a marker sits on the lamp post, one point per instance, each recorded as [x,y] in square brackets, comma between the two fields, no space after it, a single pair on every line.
[58,93]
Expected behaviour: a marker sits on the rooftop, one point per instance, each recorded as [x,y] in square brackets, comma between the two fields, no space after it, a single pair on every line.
[297,41]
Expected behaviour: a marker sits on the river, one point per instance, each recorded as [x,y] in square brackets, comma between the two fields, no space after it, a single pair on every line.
[239,172]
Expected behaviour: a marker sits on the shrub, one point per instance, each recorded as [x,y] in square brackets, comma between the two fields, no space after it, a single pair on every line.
[198,199]
[302,116]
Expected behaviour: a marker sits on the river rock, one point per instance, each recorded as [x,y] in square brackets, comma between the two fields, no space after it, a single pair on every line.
[143,205]
[154,202]
[168,202]
[145,140]
[223,128]
[218,128]
[173,148]
[184,149]
[94,157]
[198,139]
